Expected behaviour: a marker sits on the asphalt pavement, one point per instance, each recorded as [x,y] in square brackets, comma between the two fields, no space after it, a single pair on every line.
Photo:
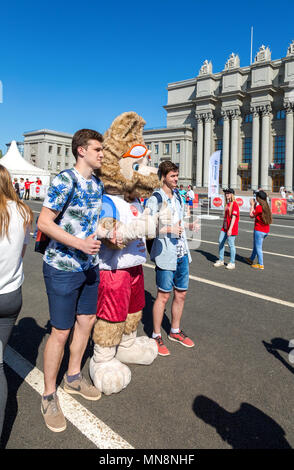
[233,390]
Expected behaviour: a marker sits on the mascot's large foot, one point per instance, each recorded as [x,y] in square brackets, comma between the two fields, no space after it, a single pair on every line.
[109,375]
[133,350]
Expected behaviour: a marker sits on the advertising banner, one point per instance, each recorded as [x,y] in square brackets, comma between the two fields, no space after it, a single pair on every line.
[279,206]
[243,203]
[38,191]
[213,174]
[217,202]
[290,207]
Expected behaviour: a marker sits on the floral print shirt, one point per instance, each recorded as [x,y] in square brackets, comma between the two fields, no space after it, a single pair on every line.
[80,219]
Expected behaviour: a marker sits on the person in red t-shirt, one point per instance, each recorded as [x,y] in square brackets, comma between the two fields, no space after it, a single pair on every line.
[27,188]
[260,211]
[229,230]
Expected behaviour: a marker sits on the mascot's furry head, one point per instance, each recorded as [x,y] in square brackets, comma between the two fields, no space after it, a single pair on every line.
[125,167]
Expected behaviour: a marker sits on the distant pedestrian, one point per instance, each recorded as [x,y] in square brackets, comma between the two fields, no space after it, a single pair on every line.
[189,199]
[282,192]
[16,186]
[27,189]
[21,188]
[229,229]
[15,221]
[183,193]
[260,211]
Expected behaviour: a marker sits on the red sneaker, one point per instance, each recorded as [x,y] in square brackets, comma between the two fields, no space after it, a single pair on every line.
[180,337]
[162,349]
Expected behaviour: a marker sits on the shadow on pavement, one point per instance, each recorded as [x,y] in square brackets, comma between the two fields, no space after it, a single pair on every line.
[246,428]
[213,258]
[147,318]
[282,345]
[26,339]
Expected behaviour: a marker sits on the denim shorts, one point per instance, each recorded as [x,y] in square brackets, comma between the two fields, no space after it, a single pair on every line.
[70,293]
[167,280]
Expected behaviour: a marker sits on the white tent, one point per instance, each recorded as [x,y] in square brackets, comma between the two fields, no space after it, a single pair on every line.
[18,167]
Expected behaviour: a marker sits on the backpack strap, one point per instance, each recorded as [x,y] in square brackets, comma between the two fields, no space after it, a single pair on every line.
[158,196]
[61,214]
[179,196]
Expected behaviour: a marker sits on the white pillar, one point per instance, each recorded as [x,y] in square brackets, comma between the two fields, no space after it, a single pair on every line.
[234,148]
[207,146]
[289,150]
[226,150]
[255,149]
[265,142]
[199,164]
[189,150]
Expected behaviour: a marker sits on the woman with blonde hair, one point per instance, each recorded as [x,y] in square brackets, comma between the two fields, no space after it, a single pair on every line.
[260,211]
[15,222]
[229,229]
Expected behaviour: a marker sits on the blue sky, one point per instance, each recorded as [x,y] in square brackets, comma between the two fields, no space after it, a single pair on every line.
[66,65]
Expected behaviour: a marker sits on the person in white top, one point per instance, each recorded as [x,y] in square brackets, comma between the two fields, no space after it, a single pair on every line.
[15,222]
[282,192]
[21,188]
[190,198]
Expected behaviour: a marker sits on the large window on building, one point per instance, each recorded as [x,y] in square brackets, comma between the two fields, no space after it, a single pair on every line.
[279,149]
[156,146]
[281,114]
[166,148]
[178,147]
[247,150]
[248,118]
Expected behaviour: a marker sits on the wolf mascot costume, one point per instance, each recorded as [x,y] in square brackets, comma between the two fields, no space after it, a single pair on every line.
[127,178]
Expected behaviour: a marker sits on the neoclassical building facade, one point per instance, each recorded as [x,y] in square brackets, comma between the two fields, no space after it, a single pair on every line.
[49,150]
[246,112]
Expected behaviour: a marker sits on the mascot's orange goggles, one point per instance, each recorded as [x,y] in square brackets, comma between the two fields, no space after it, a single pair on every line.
[137,151]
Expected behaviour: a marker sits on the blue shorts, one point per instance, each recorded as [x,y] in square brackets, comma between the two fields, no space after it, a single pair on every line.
[190,202]
[70,293]
[166,280]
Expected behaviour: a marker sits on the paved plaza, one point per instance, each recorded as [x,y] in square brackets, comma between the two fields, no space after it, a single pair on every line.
[233,390]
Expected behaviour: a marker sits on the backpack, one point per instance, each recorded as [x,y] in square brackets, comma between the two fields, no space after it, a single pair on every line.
[149,242]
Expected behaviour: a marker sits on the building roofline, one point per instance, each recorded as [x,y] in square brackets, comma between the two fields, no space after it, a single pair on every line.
[47,131]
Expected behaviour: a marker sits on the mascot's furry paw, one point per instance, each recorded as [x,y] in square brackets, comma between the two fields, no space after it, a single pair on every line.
[109,375]
[132,350]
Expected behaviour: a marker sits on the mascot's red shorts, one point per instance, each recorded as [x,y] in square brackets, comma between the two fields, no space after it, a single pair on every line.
[120,292]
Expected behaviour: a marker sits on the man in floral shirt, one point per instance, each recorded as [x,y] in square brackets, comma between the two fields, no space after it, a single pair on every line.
[71,271]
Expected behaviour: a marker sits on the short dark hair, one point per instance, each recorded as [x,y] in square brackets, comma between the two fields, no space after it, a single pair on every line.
[81,139]
[165,167]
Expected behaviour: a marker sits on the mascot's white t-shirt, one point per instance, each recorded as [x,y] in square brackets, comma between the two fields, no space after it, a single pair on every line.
[134,253]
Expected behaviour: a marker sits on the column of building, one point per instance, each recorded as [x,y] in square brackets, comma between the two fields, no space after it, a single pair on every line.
[234,147]
[289,147]
[265,145]
[255,148]
[226,149]
[199,164]
[207,146]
